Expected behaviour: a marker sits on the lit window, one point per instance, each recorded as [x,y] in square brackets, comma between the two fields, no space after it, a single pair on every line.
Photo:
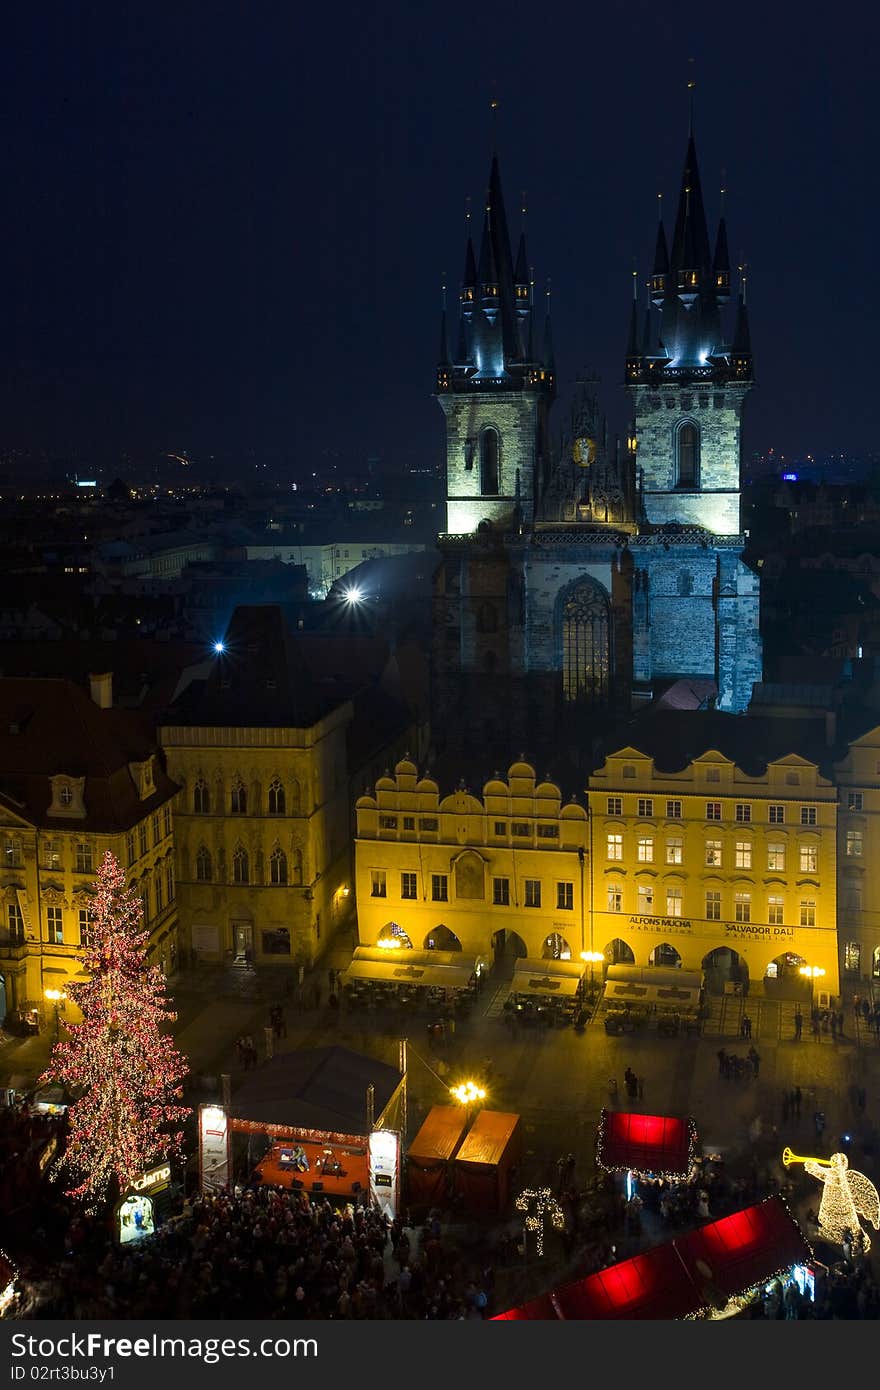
[12,856]
[713,854]
[533,892]
[852,957]
[673,901]
[674,850]
[776,857]
[615,897]
[774,911]
[646,849]
[408,885]
[743,859]
[713,905]
[809,855]
[808,912]
[55,926]
[742,907]
[615,846]
[377,883]
[646,899]
[854,843]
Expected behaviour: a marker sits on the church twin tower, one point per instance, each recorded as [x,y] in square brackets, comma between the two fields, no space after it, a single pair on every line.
[580,576]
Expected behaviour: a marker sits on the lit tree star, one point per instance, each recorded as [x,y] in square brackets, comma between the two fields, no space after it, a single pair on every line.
[129,1072]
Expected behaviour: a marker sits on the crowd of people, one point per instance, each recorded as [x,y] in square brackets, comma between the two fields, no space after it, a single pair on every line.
[261,1252]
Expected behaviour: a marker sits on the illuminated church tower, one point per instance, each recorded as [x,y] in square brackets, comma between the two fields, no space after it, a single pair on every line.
[496,390]
[686,379]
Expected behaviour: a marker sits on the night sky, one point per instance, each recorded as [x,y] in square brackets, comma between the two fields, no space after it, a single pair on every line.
[225,227]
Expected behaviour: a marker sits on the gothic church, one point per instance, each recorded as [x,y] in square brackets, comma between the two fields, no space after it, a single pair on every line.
[581,579]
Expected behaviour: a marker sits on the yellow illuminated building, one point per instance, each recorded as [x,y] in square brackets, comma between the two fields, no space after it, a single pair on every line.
[77,778]
[507,867]
[710,867]
[858,853]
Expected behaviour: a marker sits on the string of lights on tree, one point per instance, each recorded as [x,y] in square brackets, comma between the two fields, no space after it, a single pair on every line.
[125,1073]
[545,1205]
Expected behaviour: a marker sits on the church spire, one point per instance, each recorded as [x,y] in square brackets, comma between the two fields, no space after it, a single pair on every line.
[721,259]
[443,360]
[690,258]
[741,348]
[549,354]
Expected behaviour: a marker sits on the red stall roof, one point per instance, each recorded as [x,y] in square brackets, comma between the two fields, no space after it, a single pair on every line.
[682,1277]
[648,1143]
[745,1248]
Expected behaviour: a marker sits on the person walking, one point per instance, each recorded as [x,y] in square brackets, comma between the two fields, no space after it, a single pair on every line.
[798,1024]
[755,1059]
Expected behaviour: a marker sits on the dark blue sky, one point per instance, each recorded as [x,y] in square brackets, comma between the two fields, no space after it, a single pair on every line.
[225,226]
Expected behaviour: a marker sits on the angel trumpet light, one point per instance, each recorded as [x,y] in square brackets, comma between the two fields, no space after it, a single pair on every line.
[788,1157]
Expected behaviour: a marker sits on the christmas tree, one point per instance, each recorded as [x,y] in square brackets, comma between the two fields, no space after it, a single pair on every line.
[125,1070]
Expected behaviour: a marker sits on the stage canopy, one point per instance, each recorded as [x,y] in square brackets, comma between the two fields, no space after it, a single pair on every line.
[322,1088]
[685,1277]
[646,1143]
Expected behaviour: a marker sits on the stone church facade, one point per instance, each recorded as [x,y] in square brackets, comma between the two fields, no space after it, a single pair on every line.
[590,577]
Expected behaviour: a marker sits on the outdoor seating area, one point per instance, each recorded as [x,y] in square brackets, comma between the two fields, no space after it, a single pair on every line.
[370,995]
[535,1012]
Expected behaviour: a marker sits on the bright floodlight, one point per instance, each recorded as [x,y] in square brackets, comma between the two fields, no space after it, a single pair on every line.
[219,647]
[352,595]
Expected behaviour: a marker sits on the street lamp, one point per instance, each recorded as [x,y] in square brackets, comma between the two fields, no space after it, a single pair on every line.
[467,1093]
[812,973]
[57,997]
[593,957]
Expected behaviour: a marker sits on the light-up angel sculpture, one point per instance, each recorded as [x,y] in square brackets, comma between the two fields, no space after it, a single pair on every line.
[847,1195]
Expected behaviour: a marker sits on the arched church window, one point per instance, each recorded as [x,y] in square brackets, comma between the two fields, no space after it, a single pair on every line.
[688,456]
[277,800]
[585,652]
[489,462]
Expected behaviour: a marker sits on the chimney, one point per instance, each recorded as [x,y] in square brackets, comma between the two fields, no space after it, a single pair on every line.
[101,687]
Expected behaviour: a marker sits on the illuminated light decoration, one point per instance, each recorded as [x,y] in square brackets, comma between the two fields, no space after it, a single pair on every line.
[353,595]
[545,1205]
[219,647]
[8,1276]
[847,1195]
[127,1072]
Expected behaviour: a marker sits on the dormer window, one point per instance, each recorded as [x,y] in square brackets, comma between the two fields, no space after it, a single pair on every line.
[143,776]
[67,797]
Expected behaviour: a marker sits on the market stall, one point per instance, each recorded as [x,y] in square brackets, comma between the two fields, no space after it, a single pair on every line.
[431,1153]
[662,1145]
[546,991]
[424,978]
[657,992]
[710,1272]
[481,1168]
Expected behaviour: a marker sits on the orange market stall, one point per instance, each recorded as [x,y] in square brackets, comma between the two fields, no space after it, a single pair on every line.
[430,1155]
[481,1168]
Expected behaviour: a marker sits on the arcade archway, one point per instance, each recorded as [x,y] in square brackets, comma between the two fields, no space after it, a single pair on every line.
[725,967]
[783,978]
[664,954]
[617,952]
[393,936]
[508,947]
[555,947]
[440,938]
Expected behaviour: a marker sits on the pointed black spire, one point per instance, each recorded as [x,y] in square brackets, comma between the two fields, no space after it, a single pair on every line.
[660,273]
[487,270]
[721,263]
[632,345]
[646,336]
[549,355]
[742,338]
[469,278]
[521,273]
[691,258]
[661,255]
[444,338]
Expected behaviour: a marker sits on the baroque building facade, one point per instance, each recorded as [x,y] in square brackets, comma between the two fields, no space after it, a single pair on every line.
[706,866]
[586,577]
[77,778]
[267,759]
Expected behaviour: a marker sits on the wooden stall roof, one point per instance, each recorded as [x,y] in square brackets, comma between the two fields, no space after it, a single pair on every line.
[441,1133]
[488,1138]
